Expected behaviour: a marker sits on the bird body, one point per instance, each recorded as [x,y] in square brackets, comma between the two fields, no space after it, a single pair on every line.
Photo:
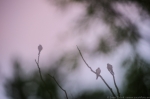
[98,71]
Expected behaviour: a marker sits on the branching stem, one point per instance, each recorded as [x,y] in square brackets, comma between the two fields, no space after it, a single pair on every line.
[116,86]
[59,86]
[96,74]
[37,63]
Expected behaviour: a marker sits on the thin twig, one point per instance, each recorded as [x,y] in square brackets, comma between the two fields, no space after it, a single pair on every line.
[38,58]
[116,86]
[42,77]
[96,74]
[59,86]
[72,96]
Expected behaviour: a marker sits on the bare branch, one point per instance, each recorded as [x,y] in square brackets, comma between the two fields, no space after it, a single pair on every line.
[95,73]
[110,69]
[116,86]
[59,85]
[37,63]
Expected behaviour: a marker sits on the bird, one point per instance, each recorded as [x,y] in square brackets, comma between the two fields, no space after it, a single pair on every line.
[98,71]
[40,48]
[110,68]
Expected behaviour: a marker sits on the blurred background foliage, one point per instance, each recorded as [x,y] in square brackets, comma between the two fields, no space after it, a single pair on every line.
[138,70]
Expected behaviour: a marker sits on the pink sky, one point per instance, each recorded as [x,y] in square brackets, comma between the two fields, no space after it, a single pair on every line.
[26,24]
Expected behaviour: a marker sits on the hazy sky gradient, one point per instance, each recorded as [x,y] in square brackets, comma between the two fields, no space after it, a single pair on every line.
[26,24]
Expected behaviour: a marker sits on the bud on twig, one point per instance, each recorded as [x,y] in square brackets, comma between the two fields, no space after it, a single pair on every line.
[110,68]
[40,48]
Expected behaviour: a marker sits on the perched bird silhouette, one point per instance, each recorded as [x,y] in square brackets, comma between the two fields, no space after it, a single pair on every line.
[98,71]
[40,48]
[110,68]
